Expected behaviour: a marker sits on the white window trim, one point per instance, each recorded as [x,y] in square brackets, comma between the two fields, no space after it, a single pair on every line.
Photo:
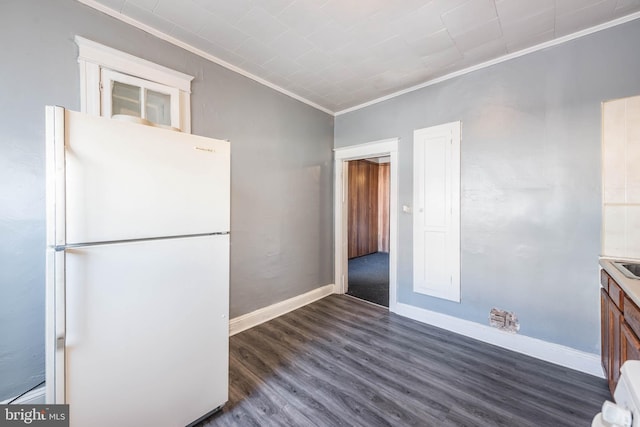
[92,57]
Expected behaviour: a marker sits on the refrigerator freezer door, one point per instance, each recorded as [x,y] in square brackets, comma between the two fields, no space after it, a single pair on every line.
[147,331]
[129,181]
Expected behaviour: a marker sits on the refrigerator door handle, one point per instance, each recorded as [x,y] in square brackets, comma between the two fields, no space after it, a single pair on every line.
[59,289]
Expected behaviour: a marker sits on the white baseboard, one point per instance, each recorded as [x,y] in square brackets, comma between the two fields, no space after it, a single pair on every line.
[249,320]
[34,397]
[558,354]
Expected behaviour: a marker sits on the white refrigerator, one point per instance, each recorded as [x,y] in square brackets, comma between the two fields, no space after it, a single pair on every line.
[137,272]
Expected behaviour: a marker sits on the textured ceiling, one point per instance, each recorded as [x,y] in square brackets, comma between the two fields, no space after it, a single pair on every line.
[342,53]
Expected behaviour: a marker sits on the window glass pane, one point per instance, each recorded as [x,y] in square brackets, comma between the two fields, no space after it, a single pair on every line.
[158,108]
[125,99]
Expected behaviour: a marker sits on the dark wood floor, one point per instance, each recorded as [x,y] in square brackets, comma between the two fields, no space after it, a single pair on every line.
[344,362]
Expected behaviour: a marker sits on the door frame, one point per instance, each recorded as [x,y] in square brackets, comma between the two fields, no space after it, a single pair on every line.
[387,147]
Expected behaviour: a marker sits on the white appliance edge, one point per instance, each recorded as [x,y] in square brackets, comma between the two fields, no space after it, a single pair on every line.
[137,271]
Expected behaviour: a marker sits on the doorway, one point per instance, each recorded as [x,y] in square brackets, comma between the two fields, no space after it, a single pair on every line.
[368,229]
[389,149]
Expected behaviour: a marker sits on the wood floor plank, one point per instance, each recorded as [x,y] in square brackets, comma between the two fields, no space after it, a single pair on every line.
[386,388]
[343,362]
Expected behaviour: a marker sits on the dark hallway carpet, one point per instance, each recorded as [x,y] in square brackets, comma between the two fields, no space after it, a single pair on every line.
[369,278]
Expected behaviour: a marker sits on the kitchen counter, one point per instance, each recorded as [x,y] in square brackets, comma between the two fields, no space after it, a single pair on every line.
[631,287]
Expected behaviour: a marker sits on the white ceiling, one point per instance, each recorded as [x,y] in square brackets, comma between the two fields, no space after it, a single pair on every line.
[342,53]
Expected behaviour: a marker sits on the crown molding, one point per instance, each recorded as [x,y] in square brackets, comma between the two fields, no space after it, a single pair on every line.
[166,37]
[550,43]
[144,27]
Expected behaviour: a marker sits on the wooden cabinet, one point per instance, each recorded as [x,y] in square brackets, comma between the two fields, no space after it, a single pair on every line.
[604,331]
[629,344]
[614,322]
[620,327]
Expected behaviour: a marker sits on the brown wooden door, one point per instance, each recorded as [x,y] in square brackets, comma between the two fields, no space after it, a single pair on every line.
[383,207]
[363,208]
[353,217]
[372,209]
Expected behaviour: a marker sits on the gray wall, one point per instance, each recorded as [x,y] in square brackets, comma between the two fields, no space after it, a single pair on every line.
[530,226]
[281,170]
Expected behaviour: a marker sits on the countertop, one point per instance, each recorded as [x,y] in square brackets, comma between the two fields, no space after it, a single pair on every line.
[631,287]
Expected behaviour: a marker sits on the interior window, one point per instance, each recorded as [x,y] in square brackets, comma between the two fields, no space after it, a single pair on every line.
[131,96]
[117,83]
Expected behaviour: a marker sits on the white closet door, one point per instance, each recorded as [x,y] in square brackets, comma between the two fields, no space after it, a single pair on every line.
[436,225]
